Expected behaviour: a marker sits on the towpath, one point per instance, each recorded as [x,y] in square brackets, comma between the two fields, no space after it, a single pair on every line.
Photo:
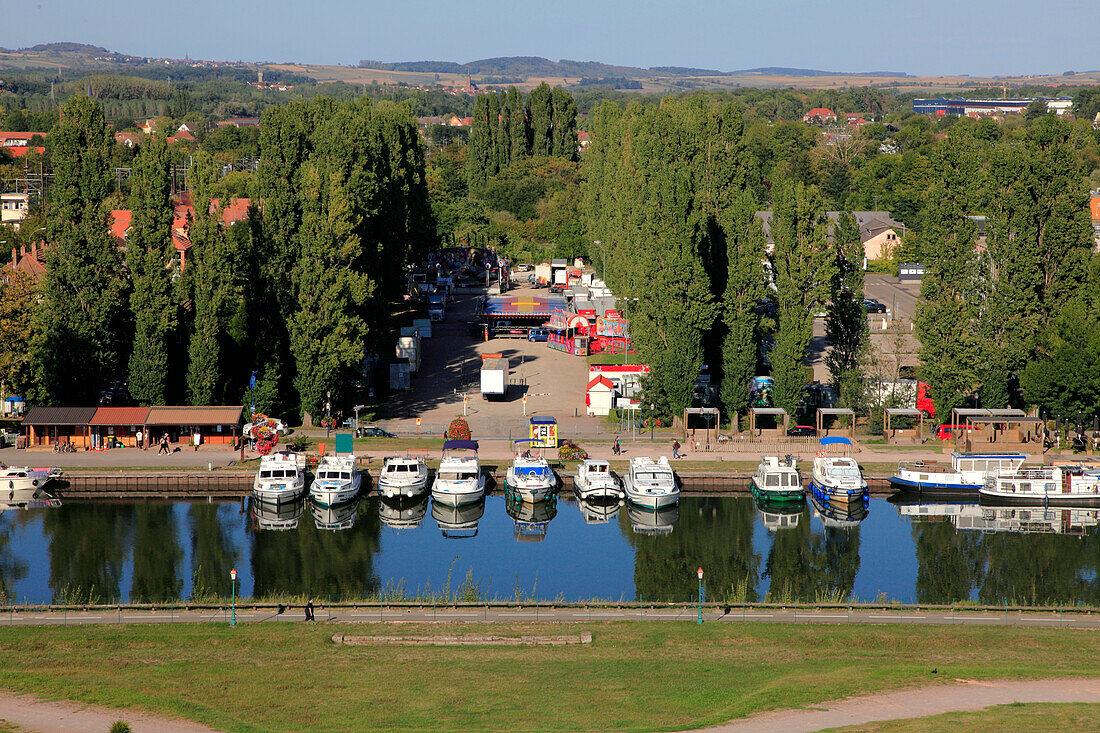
[47,716]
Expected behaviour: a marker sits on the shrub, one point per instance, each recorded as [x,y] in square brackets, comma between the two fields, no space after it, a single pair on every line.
[570,451]
[459,429]
[120,726]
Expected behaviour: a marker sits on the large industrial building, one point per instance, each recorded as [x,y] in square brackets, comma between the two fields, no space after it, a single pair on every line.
[970,107]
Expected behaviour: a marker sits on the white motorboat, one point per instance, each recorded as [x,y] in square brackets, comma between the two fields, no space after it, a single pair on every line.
[967,472]
[1064,486]
[777,480]
[459,479]
[402,513]
[25,481]
[595,481]
[651,483]
[648,521]
[403,477]
[334,516]
[281,478]
[837,480]
[458,521]
[337,481]
[530,477]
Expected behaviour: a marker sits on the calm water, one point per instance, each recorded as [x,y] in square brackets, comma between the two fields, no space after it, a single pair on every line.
[105,552]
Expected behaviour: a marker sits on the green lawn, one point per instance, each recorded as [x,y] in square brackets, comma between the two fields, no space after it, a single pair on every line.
[635,676]
[1032,717]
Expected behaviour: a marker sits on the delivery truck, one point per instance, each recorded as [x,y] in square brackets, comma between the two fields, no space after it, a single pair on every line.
[494,376]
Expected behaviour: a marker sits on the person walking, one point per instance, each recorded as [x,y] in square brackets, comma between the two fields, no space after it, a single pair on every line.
[163,445]
[309,611]
[676,449]
[616,449]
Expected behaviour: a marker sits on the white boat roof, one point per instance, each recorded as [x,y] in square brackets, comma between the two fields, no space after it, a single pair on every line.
[457,460]
[592,462]
[990,454]
[647,463]
[337,462]
[840,461]
[282,460]
[776,463]
[402,460]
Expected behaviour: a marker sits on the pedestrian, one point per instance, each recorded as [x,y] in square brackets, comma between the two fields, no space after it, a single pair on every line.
[676,449]
[617,449]
[163,445]
[309,610]
[138,436]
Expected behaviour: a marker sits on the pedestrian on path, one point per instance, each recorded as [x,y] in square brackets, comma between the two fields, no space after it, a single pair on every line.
[616,449]
[309,611]
[163,445]
[676,449]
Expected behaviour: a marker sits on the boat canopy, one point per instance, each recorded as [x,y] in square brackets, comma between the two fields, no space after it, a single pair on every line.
[460,445]
[835,441]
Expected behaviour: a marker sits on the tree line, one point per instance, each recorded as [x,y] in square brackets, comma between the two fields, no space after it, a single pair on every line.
[299,293]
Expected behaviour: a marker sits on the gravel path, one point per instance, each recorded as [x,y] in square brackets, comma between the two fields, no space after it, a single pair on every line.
[33,714]
[960,695]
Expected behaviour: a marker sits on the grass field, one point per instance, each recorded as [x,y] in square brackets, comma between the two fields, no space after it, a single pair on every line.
[634,676]
[1032,717]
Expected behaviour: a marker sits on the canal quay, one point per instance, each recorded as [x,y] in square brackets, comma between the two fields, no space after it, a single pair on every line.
[134,546]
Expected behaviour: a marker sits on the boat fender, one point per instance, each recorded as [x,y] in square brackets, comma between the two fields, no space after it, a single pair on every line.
[34,482]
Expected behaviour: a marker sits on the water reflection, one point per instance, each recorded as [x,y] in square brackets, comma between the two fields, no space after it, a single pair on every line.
[88,544]
[157,555]
[840,515]
[530,521]
[458,522]
[778,515]
[334,516]
[403,513]
[646,520]
[212,552]
[598,511]
[277,515]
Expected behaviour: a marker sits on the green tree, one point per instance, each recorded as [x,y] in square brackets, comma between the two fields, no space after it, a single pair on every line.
[804,267]
[81,335]
[745,287]
[149,250]
[540,116]
[517,125]
[845,317]
[564,132]
[17,299]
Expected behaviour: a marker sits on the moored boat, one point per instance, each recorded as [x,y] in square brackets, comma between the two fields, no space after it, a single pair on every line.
[281,478]
[1066,486]
[530,477]
[777,480]
[651,483]
[25,481]
[967,471]
[337,481]
[459,479]
[596,481]
[837,480]
[403,477]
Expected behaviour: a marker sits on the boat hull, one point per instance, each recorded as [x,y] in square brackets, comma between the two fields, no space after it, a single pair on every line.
[412,490]
[1044,500]
[602,493]
[943,484]
[776,496]
[331,496]
[838,495]
[459,497]
[653,501]
[279,495]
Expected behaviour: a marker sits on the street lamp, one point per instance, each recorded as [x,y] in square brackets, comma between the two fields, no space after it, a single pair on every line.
[700,572]
[328,413]
[233,595]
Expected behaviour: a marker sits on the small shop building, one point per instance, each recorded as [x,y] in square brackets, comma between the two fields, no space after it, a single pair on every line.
[94,428]
[118,427]
[44,427]
[198,425]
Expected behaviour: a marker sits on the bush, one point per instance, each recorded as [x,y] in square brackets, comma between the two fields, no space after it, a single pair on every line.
[570,451]
[120,726]
[459,429]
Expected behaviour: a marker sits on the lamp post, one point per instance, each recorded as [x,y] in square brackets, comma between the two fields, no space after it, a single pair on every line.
[233,595]
[328,413]
[700,573]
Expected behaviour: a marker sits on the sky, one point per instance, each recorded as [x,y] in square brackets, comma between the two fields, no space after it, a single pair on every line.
[921,37]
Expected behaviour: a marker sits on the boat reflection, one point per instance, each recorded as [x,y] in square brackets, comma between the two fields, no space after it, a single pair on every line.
[458,522]
[335,516]
[839,515]
[777,515]
[598,511]
[30,498]
[530,521]
[403,512]
[975,517]
[649,521]
[277,516]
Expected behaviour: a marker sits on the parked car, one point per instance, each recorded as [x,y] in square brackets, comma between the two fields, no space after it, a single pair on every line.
[873,306]
[802,430]
[538,334]
[948,432]
[523,268]
[373,431]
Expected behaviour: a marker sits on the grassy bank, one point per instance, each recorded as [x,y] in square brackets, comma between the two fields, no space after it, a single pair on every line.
[633,677]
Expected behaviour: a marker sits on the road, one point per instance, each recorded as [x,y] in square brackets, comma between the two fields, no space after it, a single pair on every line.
[571,614]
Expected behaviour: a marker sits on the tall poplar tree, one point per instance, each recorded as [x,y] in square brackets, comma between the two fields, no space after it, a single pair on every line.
[745,287]
[540,115]
[81,340]
[205,379]
[149,249]
[564,131]
[517,125]
[845,317]
[804,266]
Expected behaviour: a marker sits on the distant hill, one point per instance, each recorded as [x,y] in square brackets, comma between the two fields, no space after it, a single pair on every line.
[77,48]
[788,71]
[522,66]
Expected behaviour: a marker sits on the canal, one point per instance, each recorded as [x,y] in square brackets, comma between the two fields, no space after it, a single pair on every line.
[94,551]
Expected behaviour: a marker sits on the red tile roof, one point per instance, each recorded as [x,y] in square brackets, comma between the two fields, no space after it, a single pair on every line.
[600,380]
[198,415]
[120,223]
[19,152]
[181,135]
[18,139]
[120,416]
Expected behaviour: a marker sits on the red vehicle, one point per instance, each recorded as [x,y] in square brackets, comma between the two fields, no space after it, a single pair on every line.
[950,432]
[924,399]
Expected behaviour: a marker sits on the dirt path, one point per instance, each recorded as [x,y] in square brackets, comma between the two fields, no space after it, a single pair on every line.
[33,714]
[960,695]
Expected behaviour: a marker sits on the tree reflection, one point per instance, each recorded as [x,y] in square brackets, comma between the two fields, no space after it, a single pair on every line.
[712,533]
[11,568]
[949,563]
[212,552]
[326,564]
[1039,569]
[803,565]
[157,555]
[88,544]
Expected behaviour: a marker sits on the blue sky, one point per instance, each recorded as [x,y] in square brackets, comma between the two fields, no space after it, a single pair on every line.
[980,37]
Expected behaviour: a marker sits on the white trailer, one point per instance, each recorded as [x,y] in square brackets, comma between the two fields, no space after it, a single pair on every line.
[408,347]
[424,326]
[494,377]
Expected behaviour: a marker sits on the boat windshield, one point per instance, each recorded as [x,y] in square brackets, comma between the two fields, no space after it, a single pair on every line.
[597,468]
[398,468]
[650,475]
[844,472]
[458,476]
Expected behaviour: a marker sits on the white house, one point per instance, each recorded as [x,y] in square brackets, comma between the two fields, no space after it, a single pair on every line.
[599,398]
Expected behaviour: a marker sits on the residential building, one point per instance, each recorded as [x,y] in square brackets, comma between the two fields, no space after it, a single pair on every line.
[1094,208]
[18,144]
[14,208]
[879,233]
[819,116]
[31,260]
[977,107]
[129,139]
[240,122]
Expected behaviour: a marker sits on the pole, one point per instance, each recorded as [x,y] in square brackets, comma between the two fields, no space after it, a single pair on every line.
[699,620]
[233,596]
